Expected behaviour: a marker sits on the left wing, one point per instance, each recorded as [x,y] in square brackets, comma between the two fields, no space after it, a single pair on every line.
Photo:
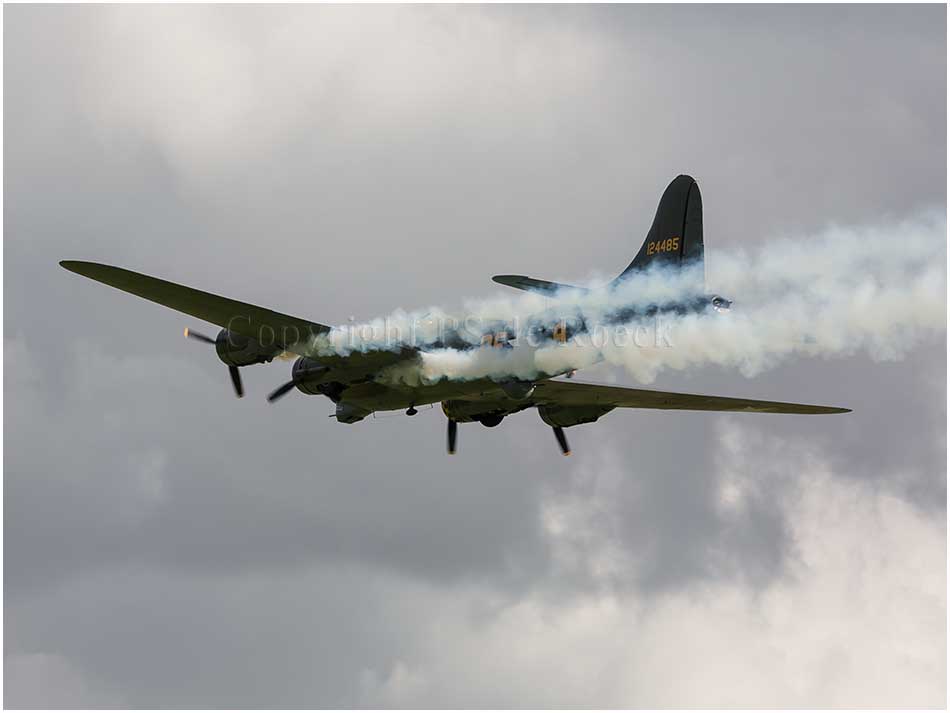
[567,393]
[242,318]
[293,334]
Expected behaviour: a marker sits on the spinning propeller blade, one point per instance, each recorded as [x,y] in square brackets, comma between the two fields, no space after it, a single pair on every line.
[199,336]
[232,370]
[281,390]
[452,436]
[236,381]
[298,378]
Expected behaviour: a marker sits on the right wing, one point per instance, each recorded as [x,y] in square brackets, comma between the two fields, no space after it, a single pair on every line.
[572,393]
[291,333]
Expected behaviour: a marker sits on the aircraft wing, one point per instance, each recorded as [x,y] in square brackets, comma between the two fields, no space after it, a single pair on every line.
[572,393]
[291,333]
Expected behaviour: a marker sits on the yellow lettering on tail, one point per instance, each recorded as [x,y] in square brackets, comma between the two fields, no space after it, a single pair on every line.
[663,246]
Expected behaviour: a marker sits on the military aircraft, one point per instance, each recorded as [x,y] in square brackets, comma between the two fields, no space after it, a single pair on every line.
[353,380]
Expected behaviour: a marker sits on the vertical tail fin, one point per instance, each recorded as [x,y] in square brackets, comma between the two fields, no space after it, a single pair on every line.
[675,241]
[676,236]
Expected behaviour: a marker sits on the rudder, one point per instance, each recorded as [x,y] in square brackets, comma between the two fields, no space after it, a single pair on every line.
[676,237]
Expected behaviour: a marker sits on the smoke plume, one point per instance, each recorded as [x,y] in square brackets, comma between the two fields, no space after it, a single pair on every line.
[878,290]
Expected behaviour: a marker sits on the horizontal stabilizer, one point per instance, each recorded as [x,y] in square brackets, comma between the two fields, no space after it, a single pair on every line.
[530,284]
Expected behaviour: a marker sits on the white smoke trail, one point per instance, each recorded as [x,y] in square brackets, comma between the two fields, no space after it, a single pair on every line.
[878,290]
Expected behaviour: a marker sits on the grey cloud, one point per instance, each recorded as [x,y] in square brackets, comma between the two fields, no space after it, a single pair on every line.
[167,545]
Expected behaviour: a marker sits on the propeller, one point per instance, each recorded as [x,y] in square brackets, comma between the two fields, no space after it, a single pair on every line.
[281,390]
[236,381]
[452,435]
[298,378]
[232,370]
[199,336]
[562,440]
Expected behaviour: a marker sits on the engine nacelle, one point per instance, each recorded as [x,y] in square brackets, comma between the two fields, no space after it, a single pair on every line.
[461,411]
[564,416]
[237,350]
[348,413]
[468,411]
[310,376]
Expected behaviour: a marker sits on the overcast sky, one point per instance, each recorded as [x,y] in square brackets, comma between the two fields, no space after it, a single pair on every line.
[169,545]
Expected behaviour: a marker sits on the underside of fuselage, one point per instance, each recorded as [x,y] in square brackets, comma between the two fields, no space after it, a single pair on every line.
[485,395]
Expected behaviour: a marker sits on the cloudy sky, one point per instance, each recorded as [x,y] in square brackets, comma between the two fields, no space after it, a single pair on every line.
[168,545]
